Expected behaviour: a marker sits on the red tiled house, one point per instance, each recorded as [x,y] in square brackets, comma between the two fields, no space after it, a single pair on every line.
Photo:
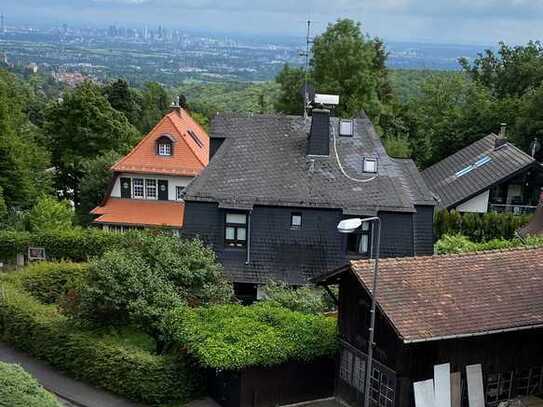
[148,183]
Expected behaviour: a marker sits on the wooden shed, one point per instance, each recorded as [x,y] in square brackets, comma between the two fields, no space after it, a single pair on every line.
[479,308]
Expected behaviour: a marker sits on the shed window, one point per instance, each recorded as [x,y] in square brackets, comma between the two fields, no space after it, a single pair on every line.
[370,165]
[235,229]
[359,242]
[138,190]
[296,220]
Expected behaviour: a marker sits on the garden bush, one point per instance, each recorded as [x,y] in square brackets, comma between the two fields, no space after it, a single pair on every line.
[234,336]
[19,389]
[49,282]
[479,227]
[461,244]
[306,299]
[92,356]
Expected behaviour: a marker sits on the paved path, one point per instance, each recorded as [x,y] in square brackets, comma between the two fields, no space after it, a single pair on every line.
[75,393]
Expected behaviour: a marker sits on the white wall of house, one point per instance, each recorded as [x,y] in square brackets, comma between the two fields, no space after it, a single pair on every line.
[173,182]
[477,204]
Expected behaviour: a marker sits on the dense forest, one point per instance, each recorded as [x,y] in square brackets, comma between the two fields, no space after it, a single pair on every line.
[59,142]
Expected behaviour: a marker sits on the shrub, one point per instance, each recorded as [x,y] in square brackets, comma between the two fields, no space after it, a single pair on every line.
[93,357]
[306,299]
[49,214]
[19,389]
[460,244]
[233,336]
[479,227]
[49,282]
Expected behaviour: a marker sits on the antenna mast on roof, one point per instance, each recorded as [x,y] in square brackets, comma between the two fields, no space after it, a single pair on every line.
[308,42]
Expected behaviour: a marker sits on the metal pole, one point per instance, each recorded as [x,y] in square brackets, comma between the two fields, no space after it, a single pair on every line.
[372,315]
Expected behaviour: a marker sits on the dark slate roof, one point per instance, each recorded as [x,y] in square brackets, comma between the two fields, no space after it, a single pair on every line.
[263,162]
[438,297]
[451,190]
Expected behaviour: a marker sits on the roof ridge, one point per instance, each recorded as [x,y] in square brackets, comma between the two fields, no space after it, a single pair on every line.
[450,255]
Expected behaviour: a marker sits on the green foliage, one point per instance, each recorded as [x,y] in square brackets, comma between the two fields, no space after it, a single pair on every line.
[397,146]
[348,63]
[449,244]
[479,227]
[155,104]
[49,214]
[291,82]
[235,336]
[93,356]
[306,299]
[49,282]
[3,209]
[147,276]
[95,179]
[23,160]
[81,126]
[124,99]
[19,389]
[74,244]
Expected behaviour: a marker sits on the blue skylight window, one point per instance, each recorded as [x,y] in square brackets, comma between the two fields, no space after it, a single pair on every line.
[479,163]
[482,161]
[464,171]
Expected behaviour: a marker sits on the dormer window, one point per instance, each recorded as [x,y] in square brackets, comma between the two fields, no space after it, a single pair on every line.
[164,146]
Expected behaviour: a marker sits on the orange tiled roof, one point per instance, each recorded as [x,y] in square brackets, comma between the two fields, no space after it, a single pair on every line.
[188,158]
[140,212]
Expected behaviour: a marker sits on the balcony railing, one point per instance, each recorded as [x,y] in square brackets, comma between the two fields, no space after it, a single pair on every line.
[511,208]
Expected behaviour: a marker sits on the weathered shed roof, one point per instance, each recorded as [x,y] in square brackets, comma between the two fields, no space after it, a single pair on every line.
[443,180]
[439,297]
[263,161]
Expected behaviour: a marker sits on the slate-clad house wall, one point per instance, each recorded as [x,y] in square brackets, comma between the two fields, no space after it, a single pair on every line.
[275,169]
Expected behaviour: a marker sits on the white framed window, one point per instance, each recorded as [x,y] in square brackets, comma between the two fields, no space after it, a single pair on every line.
[295,220]
[150,189]
[235,229]
[179,193]
[137,188]
[165,149]
[370,165]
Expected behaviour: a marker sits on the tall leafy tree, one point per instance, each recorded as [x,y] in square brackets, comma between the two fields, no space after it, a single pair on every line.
[155,104]
[82,126]
[349,63]
[124,99]
[291,82]
[23,161]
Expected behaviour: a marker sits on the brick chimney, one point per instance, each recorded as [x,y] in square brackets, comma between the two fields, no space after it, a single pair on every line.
[318,143]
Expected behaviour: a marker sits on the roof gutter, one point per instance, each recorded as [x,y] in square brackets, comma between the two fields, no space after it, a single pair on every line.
[469,335]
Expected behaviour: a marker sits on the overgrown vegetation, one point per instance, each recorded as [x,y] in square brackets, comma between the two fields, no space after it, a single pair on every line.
[19,389]
[449,244]
[479,227]
[234,336]
[306,299]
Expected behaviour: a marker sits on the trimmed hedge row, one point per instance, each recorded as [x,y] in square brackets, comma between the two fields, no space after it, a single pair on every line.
[449,244]
[19,389]
[233,336]
[125,370]
[74,244]
[479,227]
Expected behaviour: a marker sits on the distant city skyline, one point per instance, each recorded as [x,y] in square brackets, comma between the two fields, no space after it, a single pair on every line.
[445,21]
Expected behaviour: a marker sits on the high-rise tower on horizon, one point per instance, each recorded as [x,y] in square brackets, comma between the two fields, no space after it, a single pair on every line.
[2,23]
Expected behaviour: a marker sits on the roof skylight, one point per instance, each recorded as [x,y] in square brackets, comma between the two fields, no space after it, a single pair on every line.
[479,163]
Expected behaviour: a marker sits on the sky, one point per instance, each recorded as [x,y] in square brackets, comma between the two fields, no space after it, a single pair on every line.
[437,21]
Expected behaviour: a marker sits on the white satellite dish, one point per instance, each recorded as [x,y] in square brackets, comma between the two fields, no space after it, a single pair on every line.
[323,99]
[349,225]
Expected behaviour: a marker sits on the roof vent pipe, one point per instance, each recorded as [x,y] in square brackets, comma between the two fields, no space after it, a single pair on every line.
[503,128]
[501,140]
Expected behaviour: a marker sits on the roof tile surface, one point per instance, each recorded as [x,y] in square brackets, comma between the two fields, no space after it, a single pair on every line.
[441,296]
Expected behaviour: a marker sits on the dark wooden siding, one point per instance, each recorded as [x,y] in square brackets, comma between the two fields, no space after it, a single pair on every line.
[397,234]
[424,230]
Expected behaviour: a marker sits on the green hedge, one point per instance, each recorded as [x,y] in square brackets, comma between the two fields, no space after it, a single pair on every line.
[19,389]
[233,336]
[50,281]
[479,227]
[76,244]
[122,369]
[461,244]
